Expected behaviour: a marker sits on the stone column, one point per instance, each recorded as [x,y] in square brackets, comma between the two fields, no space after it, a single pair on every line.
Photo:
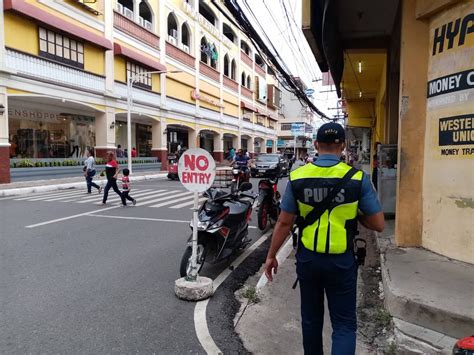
[411,126]
[274,146]
[104,132]
[4,143]
[159,143]
[218,153]
[193,138]
[251,146]
[238,144]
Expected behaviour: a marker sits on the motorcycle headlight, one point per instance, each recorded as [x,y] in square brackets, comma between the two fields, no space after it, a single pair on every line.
[203,225]
[235,171]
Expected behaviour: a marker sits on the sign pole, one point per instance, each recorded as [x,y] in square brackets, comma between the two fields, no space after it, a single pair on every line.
[193,274]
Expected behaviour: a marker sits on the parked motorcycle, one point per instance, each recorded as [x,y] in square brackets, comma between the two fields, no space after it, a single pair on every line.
[222,227]
[268,202]
[240,174]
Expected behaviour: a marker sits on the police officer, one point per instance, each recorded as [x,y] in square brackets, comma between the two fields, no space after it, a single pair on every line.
[326,261]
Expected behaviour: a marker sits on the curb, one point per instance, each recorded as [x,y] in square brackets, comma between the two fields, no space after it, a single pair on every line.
[64,186]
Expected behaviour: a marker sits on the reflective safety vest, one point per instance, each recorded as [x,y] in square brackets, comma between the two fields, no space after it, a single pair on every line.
[335,230]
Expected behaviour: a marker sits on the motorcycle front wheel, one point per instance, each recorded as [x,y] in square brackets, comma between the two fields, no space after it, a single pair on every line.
[185,266]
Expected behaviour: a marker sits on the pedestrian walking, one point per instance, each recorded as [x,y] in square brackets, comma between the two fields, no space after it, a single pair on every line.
[325,197]
[134,152]
[120,152]
[89,172]
[126,188]
[111,171]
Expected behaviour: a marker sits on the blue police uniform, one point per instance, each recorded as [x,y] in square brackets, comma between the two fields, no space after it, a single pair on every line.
[335,274]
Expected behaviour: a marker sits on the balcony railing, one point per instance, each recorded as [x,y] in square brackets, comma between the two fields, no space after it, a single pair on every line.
[135,30]
[246,59]
[231,84]
[260,70]
[50,71]
[246,92]
[209,71]
[180,55]
[139,95]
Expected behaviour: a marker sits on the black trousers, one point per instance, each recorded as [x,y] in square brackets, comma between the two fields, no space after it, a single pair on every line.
[111,184]
[126,196]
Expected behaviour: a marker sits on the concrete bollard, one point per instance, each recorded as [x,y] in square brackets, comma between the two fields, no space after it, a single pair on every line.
[197,290]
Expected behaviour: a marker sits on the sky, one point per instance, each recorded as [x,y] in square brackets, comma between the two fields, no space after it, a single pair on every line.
[280,20]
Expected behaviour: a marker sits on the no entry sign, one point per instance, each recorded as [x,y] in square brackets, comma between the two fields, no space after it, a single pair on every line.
[196,169]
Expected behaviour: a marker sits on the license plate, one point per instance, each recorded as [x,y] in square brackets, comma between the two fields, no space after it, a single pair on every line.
[261,171]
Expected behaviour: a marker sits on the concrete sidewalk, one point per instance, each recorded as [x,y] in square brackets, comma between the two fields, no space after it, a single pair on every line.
[28,187]
[272,325]
[430,297]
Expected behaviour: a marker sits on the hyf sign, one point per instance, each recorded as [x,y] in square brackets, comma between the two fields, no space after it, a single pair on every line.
[197,170]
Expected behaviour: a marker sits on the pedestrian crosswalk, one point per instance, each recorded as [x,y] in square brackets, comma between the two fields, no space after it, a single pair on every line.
[159,198]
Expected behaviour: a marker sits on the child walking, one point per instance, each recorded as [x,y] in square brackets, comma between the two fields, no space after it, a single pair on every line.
[126,188]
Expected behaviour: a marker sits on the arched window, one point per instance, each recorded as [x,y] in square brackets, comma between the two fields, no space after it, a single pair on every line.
[242,79]
[259,61]
[126,3]
[145,13]
[245,47]
[207,13]
[214,55]
[228,32]
[172,26]
[185,35]
[233,68]
[204,50]
[249,82]
[226,65]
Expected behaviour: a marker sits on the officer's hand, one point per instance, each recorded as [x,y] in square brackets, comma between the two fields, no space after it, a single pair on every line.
[271,265]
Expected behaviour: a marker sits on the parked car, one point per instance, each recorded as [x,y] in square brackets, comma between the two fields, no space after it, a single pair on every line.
[272,165]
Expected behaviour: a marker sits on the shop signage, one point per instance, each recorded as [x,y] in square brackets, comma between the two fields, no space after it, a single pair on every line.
[297,129]
[196,170]
[269,143]
[32,115]
[199,97]
[453,32]
[451,83]
[456,130]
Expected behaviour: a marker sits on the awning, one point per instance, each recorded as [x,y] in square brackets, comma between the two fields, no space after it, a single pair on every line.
[130,53]
[247,106]
[49,19]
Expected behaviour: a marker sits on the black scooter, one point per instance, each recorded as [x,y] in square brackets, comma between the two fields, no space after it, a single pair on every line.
[268,202]
[222,227]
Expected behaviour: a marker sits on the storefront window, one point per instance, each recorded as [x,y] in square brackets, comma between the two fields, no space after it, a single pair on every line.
[36,134]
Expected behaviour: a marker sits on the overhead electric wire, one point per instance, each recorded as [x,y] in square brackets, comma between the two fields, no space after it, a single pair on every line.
[248,29]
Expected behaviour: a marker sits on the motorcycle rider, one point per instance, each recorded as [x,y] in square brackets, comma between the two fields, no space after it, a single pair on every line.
[241,160]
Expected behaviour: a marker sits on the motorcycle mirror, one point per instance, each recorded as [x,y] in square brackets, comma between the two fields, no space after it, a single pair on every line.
[245,186]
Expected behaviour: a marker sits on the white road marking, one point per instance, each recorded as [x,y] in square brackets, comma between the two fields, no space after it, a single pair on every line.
[187,194]
[281,256]
[50,195]
[141,218]
[37,194]
[69,217]
[91,198]
[200,320]
[189,203]
[146,195]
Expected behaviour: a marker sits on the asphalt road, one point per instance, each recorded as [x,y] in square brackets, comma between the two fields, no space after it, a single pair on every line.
[29,174]
[103,283]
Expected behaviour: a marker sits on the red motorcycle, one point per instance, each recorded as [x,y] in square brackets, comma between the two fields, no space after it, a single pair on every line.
[240,174]
[268,202]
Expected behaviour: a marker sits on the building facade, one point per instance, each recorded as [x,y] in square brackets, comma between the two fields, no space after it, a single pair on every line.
[295,114]
[64,68]
[404,71]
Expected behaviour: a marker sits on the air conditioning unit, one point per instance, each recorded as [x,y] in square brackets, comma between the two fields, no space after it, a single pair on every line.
[172,40]
[185,48]
[128,13]
[120,7]
[174,33]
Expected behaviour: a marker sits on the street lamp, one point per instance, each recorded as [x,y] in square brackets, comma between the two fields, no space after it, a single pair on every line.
[132,79]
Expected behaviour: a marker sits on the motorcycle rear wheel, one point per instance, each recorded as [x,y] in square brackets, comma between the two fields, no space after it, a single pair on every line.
[185,265]
[262,216]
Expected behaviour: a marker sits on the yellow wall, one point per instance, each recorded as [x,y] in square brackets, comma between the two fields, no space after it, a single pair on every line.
[94,59]
[360,113]
[233,99]
[155,83]
[21,34]
[207,88]
[179,91]
[120,70]
[230,109]
[448,180]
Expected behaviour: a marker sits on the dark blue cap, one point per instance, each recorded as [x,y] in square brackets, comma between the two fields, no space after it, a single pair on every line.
[331,133]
